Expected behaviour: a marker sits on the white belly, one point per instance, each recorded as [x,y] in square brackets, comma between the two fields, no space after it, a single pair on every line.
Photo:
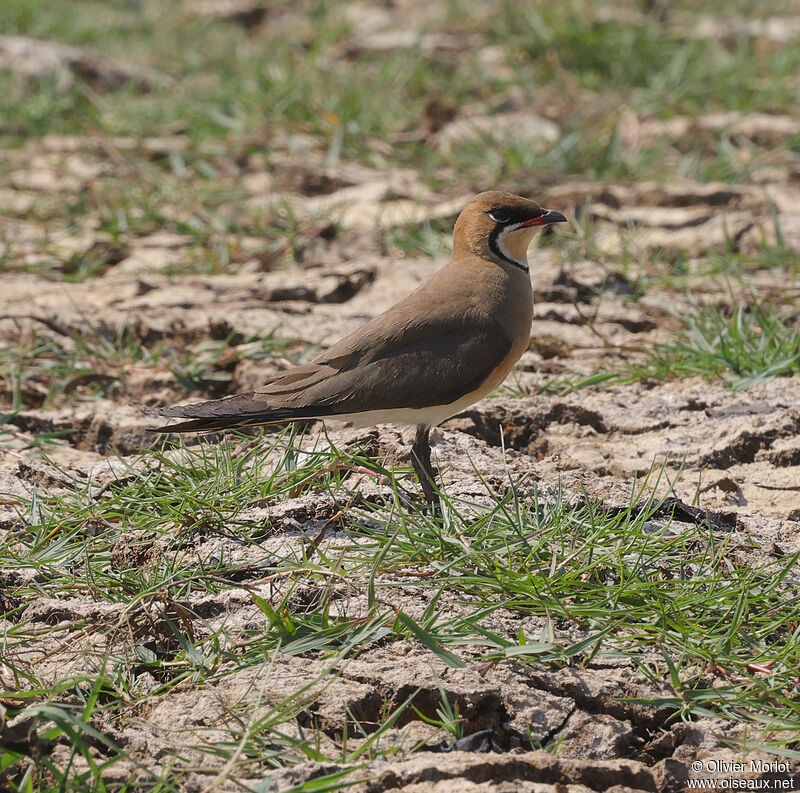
[429,416]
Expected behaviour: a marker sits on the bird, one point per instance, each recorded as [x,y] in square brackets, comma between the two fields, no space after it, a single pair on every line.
[426,358]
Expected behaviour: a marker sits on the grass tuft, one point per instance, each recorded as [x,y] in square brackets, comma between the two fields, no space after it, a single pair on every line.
[742,347]
[47,370]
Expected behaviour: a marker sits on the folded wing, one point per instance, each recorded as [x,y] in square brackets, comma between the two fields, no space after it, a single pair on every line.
[386,364]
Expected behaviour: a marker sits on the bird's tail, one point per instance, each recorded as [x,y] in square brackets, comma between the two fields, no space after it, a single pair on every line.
[240,410]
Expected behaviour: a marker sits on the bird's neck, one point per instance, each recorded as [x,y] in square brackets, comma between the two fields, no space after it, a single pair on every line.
[487,281]
[509,249]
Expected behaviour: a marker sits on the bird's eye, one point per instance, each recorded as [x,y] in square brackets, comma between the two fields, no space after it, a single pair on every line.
[499,215]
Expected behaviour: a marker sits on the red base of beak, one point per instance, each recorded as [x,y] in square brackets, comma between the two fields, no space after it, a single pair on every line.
[549,216]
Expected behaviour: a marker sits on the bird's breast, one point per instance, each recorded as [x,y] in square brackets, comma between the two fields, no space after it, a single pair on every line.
[512,307]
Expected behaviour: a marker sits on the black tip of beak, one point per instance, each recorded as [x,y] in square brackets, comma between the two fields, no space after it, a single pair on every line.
[551,216]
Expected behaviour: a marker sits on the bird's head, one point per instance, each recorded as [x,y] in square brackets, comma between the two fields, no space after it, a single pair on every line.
[499,226]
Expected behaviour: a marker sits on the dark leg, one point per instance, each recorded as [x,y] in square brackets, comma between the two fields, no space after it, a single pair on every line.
[421,460]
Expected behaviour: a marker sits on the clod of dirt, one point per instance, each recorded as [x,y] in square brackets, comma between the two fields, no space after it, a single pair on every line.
[778,30]
[241,12]
[39,58]
[501,702]
[436,114]
[423,771]
[596,736]
[134,551]
[390,40]
[675,193]
[763,129]
[508,425]
[673,220]
[744,446]
[105,431]
[518,126]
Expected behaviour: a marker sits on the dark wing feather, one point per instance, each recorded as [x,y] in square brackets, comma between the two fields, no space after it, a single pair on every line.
[426,372]
[371,370]
[239,410]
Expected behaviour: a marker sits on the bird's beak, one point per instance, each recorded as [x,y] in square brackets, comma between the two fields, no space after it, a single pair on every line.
[549,216]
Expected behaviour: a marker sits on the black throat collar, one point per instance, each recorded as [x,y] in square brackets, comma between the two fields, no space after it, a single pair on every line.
[494,247]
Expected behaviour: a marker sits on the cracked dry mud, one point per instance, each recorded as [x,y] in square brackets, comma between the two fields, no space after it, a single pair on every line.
[738,453]
[735,454]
